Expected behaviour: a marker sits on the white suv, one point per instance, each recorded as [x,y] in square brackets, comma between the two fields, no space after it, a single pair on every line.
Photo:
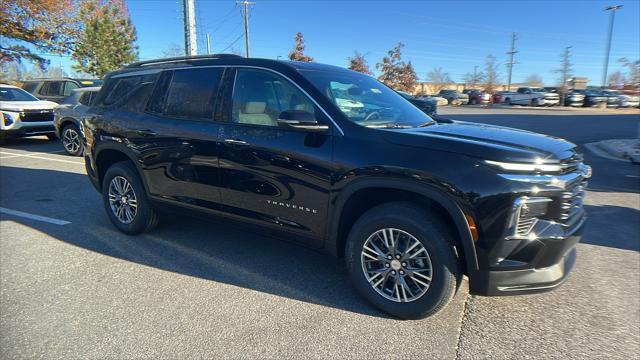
[22,114]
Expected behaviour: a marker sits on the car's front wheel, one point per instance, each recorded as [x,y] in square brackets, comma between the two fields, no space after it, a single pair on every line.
[125,200]
[401,258]
[71,140]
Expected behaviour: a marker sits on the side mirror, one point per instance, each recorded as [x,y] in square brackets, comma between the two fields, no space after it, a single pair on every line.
[300,119]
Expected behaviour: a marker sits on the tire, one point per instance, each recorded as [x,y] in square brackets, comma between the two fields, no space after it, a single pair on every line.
[71,140]
[507,101]
[412,224]
[144,217]
[472,102]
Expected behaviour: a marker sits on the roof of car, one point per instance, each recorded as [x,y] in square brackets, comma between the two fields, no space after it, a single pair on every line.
[224,59]
[91,88]
[59,79]
[9,86]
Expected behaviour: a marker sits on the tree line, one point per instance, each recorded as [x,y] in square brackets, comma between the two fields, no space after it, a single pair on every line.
[97,34]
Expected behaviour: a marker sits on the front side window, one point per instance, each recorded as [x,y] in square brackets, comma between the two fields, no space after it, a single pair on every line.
[121,87]
[366,101]
[191,93]
[68,86]
[30,86]
[259,97]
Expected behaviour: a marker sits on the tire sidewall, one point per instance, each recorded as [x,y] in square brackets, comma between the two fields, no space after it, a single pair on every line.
[430,236]
[141,219]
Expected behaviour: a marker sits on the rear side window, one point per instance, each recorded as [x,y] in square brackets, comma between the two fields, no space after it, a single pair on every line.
[120,88]
[189,93]
[85,98]
[30,87]
[54,88]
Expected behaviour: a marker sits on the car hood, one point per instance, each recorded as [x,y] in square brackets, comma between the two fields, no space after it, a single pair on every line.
[488,142]
[28,105]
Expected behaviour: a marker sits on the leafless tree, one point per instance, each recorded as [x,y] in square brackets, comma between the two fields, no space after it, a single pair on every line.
[534,80]
[616,80]
[297,54]
[438,79]
[359,63]
[491,77]
[473,79]
[634,71]
[174,50]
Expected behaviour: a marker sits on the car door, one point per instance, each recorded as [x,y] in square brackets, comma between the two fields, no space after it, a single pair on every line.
[176,137]
[274,174]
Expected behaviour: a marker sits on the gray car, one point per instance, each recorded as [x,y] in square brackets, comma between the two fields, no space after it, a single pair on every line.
[67,118]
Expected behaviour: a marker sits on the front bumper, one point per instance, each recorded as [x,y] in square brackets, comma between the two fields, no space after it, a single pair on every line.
[555,258]
[33,129]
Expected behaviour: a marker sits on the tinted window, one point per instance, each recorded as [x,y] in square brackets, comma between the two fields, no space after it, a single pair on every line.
[68,86]
[191,93]
[54,88]
[30,86]
[260,96]
[120,88]
[85,98]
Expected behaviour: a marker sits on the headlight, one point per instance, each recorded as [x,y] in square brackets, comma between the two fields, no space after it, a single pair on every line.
[526,166]
[9,118]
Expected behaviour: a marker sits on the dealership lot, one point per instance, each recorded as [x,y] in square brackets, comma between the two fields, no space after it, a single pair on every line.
[72,286]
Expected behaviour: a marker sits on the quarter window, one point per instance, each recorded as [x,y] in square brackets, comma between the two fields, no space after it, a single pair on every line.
[54,88]
[260,96]
[191,93]
[85,98]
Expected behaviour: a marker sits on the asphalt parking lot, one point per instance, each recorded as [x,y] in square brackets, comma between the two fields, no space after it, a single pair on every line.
[71,286]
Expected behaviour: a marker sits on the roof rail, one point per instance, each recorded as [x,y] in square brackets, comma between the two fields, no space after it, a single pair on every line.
[182,58]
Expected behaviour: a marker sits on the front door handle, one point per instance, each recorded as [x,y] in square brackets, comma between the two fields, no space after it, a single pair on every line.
[235,142]
[146,132]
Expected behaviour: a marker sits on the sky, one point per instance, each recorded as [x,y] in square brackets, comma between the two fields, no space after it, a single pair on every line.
[452,35]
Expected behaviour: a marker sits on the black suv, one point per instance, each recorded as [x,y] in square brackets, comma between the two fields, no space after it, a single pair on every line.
[57,90]
[335,160]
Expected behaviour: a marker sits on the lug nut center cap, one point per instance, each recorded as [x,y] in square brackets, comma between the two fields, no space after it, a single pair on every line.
[395,265]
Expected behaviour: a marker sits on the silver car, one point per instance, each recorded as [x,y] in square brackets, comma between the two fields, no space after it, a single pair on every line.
[67,118]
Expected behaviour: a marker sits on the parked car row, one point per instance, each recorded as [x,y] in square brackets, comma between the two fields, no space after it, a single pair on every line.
[50,107]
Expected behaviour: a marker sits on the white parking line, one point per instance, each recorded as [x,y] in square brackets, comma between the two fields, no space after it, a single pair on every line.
[33,216]
[34,156]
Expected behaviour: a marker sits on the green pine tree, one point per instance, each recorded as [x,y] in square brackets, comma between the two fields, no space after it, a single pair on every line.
[107,39]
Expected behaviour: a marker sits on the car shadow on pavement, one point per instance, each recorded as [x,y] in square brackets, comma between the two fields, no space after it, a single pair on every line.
[612,226]
[211,249]
[33,144]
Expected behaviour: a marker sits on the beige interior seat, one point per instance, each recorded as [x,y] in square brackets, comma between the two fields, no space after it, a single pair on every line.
[253,112]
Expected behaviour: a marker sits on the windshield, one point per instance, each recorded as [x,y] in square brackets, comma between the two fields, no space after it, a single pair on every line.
[12,94]
[366,101]
[538,90]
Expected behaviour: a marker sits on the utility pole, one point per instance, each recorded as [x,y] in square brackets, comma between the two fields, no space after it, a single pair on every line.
[208,45]
[189,18]
[246,23]
[608,48]
[511,62]
[566,69]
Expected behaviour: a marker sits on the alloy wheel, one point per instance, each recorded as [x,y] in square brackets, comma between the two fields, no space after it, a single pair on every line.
[396,265]
[122,199]
[71,140]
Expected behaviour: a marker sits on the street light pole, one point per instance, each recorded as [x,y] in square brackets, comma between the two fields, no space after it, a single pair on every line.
[608,48]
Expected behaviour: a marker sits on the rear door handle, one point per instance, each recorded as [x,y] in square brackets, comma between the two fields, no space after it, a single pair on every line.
[235,142]
[146,132]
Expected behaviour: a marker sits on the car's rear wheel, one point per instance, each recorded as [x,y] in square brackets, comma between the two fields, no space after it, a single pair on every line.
[402,259]
[507,101]
[71,140]
[125,200]
[473,101]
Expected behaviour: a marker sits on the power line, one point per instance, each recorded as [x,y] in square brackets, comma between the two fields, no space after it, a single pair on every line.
[232,43]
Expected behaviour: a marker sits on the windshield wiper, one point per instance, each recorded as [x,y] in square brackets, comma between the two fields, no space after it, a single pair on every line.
[388,126]
[428,123]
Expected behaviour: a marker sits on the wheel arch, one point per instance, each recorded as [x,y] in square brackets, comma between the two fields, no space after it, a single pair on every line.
[360,196]
[111,153]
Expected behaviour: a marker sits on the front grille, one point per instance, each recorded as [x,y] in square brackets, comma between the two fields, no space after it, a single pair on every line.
[36,115]
[571,164]
[572,199]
